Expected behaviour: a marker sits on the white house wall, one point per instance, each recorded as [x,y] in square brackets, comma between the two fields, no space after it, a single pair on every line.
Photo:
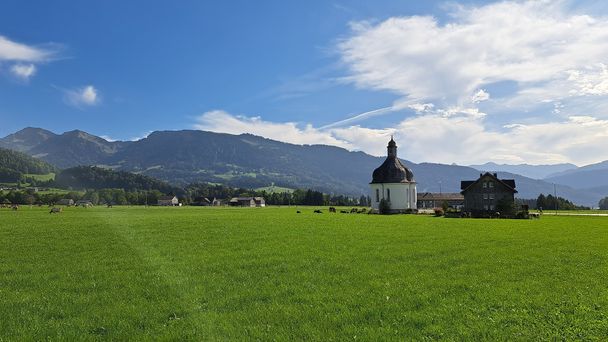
[403,196]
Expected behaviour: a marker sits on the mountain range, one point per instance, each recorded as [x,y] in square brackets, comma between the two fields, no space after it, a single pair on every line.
[246,160]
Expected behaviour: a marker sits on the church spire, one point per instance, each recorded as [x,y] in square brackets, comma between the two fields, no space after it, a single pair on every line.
[392,148]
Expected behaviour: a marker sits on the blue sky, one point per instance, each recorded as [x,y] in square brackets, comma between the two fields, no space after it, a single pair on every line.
[462,82]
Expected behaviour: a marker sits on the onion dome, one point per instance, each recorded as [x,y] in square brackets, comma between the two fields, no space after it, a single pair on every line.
[392,170]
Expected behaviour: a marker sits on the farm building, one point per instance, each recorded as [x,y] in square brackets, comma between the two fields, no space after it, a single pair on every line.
[394,183]
[429,200]
[66,201]
[84,203]
[488,194]
[207,202]
[168,201]
[247,202]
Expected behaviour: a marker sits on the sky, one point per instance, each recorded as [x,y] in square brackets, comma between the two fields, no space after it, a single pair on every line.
[461,82]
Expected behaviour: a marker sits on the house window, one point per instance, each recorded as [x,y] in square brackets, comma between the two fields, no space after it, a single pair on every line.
[491,206]
[388,195]
[485,207]
[485,185]
[485,196]
[491,184]
[491,196]
[377,195]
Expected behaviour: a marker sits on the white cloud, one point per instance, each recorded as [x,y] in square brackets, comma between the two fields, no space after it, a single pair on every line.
[543,62]
[480,96]
[84,96]
[537,44]
[23,71]
[436,137]
[24,57]
[13,51]
[223,122]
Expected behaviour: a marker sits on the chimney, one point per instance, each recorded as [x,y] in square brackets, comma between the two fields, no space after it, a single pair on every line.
[495,175]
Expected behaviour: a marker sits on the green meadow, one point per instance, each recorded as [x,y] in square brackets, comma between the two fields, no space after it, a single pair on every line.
[271,274]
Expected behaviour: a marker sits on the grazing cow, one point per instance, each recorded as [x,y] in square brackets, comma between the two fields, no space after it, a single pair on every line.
[344,211]
[318,211]
[353,210]
[298,212]
[55,210]
[362,211]
[109,205]
[332,209]
[15,207]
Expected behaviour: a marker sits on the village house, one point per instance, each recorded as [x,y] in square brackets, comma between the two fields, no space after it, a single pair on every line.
[488,195]
[428,200]
[66,201]
[168,201]
[207,202]
[394,183]
[84,203]
[247,202]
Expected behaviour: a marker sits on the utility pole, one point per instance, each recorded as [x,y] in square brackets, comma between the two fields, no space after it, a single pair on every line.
[440,187]
[555,195]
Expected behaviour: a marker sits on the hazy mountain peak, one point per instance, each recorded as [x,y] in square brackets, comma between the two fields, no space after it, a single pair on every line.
[528,170]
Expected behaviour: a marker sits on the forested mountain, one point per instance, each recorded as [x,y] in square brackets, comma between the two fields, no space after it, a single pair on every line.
[13,165]
[248,161]
[91,177]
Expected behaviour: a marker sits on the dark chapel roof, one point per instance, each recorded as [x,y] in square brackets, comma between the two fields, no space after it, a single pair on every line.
[392,170]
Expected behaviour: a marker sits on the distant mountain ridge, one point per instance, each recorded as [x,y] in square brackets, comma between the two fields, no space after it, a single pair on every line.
[246,160]
[532,171]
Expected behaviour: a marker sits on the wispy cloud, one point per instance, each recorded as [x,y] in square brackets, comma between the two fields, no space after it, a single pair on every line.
[23,57]
[81,97]
[23,71]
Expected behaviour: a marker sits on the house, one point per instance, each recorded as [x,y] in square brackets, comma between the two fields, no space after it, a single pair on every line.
[394,183]
[428,200]
[201,201]
[84,203]
[259,201]
[242,202]
[66,201]
[488,195]
[247,202]
[168,201]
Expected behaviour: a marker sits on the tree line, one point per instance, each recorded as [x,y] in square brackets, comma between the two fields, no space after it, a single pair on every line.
[550,202]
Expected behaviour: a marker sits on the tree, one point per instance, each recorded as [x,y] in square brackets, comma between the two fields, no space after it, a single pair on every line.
[505,207]
[384,207]
[604,203]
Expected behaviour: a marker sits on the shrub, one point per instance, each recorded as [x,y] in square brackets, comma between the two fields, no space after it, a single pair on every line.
[384,207]
[439,212]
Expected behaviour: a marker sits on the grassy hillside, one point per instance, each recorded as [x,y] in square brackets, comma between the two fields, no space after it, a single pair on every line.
[14,165]
[271,274]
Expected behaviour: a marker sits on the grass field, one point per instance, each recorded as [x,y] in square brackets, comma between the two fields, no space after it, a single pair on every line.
[271,274]
[44,178]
